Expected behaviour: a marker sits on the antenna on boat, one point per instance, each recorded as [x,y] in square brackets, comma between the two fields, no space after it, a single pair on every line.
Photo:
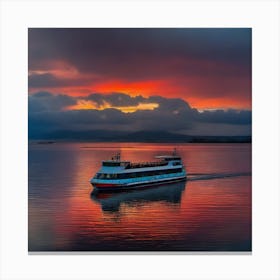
[117,157]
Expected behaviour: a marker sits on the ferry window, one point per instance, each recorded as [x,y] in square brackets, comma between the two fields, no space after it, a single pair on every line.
[121,176]
[172,158]
[111,164]
[137,174]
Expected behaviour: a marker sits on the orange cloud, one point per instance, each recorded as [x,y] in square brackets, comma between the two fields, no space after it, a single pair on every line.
[89,105]
[169,88]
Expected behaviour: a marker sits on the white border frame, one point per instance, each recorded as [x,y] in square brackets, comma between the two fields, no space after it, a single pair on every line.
[17,16]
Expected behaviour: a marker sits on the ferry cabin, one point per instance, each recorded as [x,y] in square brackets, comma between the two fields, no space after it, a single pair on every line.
[124,174]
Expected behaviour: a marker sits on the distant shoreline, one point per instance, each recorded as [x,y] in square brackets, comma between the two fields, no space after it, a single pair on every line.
[42,142]
[139,136]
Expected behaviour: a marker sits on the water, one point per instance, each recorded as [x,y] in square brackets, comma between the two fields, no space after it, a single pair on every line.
[209,212]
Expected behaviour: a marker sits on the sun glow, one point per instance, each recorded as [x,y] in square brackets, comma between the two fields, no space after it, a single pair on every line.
[90,105]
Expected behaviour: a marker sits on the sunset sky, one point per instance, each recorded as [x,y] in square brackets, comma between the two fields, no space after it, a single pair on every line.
[133,79]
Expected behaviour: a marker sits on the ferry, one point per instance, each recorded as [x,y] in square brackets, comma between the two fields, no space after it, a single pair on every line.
[116,174]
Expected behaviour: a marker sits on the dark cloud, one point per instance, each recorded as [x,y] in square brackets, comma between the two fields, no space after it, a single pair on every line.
[48,80]
[45,101]
[47,114]
[175,105]
[116,99]
[44,80]
[226,116]
[144,53]
[171,104]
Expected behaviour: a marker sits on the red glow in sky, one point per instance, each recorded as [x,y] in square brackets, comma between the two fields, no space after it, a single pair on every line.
[208,68]
[163,88]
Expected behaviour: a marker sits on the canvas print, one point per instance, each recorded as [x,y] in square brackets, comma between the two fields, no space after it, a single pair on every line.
[139,139]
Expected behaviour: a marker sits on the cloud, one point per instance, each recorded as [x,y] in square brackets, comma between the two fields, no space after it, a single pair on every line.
[201,62]
[47,114]
[56,79]
[226,116]
[116,99]
[45,101]
[109,49]
[44,80]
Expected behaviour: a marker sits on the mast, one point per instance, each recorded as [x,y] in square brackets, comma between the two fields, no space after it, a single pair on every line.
[117,157]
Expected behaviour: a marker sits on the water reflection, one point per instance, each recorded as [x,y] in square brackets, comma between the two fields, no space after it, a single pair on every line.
[111,202]
[205,215]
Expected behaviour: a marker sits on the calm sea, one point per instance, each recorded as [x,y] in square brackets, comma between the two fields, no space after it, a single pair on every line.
[209,212]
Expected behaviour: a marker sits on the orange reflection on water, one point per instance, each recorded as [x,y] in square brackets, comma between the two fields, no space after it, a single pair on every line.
[196,209]
[199,214]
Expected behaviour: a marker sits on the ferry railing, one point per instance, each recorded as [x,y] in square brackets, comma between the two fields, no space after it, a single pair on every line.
[146,164]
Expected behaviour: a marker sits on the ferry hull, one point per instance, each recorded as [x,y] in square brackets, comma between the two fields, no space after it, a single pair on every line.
[118,187]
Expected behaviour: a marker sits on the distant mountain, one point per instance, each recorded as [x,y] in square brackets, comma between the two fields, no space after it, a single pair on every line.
[84,135]
[139,136]
[221,139]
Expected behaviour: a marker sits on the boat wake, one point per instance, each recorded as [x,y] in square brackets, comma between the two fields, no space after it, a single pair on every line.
[208,176]
[169,193]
